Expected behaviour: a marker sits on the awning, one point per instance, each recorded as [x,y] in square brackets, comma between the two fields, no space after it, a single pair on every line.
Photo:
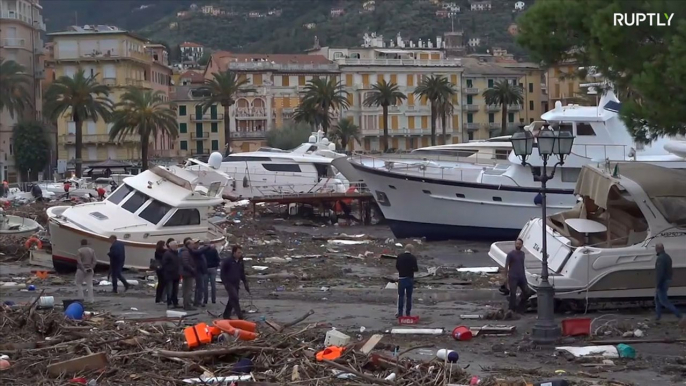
[595,184]
[110,164]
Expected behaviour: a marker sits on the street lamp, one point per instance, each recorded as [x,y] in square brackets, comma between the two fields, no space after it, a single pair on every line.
[558,143]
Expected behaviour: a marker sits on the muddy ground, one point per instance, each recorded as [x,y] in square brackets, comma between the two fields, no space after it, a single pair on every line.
[344,285]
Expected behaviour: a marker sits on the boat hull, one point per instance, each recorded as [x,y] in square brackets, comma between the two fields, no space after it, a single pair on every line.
[444,209]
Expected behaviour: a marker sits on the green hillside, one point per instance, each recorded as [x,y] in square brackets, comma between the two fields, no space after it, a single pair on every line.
[286,28]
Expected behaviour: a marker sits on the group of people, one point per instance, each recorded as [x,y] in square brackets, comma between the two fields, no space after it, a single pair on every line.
[192,265]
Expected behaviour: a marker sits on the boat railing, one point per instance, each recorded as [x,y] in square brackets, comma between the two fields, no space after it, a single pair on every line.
[359,189]
[611,152]
[476,158]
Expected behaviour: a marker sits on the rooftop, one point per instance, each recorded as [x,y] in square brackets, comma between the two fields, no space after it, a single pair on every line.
[224,58]
[190,44]
[95,30]
[474,66]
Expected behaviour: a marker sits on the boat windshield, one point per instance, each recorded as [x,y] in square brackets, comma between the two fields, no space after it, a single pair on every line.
[118,195]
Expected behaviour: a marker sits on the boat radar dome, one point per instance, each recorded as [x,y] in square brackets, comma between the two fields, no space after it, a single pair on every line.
[332,146]
[312,139]
[325,142]
[215,160]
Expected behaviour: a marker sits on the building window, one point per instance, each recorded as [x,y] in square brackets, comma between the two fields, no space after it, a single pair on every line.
[491,118]
[184,145]
[510,117]
[531,120]
[215,145]
[182,110]
[285,80]
[531,105]
[470,135]
[214,127]
[183,128]
[490,83]
[470,100]
[470,83]
[531,87]
[470,118]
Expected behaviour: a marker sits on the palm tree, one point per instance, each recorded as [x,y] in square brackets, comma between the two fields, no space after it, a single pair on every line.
[445,109]
[222,90]
[323,95]
[306,112]
[435,88]
[346,131]
[13,87]
[384,94]
[84,99]
[145,114]
[504,94]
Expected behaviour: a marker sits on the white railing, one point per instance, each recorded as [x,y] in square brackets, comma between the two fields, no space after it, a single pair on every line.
[251,112]
[248,134]
[401,62]
[274,192]
[14,42]
[268,65]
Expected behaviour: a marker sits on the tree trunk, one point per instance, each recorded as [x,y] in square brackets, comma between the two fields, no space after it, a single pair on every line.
[145,143]
[503,130]
[78,133]
[444,118]
[227,130]
[433,124]
[344,143]
[385,128]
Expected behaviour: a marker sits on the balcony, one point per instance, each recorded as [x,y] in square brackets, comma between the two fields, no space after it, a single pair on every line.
[472,126]
[494,125]
[514,107]
[251,113]
[471,90]
[269,66]
[207,117]
[97,139]
[137,83]
[196,152]
[493,108]
[400,62]
[200,136]
[467,107]
[248,134]
[109,81]
[13,43]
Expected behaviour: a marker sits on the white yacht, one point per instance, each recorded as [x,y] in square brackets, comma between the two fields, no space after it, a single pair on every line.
[269,171]
[155,205]
[78,187]
[604,248]
[443,202]
[17,226]
[208,173]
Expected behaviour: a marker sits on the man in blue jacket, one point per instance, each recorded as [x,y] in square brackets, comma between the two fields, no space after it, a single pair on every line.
[117,256]
[232,273]
[663,275]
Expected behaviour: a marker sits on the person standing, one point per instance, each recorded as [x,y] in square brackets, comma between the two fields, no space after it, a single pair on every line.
[101,193]
[171,271]
[232,272]
[198,253]
[663,275]
[212,259]
[117,256]
[406,264]
[159,256]
[67,185]
[188,272]
[37,192]
[85,264]
[515,276]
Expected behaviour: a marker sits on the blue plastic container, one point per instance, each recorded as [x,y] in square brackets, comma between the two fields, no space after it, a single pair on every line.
[74,311]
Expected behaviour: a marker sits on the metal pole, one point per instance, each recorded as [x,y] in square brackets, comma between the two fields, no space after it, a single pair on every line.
[545,331]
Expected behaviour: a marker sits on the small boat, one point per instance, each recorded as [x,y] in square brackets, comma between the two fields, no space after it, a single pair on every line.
[17,226]
[604,247]
[154,205]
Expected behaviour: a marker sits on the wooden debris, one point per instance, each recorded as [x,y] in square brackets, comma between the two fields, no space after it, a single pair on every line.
[371,343]
[78,365]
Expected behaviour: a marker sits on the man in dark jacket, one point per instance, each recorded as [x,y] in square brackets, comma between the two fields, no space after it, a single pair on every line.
[212,259]
[188,272]
[36,192]
[117,256]
[232,273]
[198,253]
[406,264]
[663,275]
[171,269]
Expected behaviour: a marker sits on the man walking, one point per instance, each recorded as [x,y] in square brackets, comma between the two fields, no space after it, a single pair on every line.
[406,264]
[188,272]
[85,264]
[171,270]
[663,274]
[212,259]
[117,256]
[515,276]
[232,273]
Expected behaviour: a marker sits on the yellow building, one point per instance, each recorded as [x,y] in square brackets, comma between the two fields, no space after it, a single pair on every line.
[404,63]
[481,121]
[563,84]
[117,59]
[21,25]
[199,133]
[277,80]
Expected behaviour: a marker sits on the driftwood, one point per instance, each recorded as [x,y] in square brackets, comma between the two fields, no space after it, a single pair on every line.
[367,378]
[213,353]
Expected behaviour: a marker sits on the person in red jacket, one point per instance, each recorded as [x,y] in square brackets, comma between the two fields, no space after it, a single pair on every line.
[101,193]
[67,185]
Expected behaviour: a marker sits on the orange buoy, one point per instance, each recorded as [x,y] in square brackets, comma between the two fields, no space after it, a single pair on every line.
[33,241]
[241,329]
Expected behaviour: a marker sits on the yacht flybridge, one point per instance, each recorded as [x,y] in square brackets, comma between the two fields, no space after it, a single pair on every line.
[269,171]
[604,248]
[155,205]
[442,201]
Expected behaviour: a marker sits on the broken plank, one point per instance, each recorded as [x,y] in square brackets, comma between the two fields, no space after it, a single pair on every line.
[91,362]
[371,343]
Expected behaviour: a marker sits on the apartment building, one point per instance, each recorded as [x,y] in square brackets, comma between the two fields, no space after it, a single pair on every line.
[404,63]
[21,25]
[116,58]
[482,121]
[278,80]
[562,83]
[199,133]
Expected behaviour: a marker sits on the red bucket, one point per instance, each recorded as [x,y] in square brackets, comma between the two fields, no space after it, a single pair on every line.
[408,320]
[576,326]
[462,333]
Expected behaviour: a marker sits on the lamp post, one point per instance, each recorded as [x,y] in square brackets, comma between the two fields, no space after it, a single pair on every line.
[558,143]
